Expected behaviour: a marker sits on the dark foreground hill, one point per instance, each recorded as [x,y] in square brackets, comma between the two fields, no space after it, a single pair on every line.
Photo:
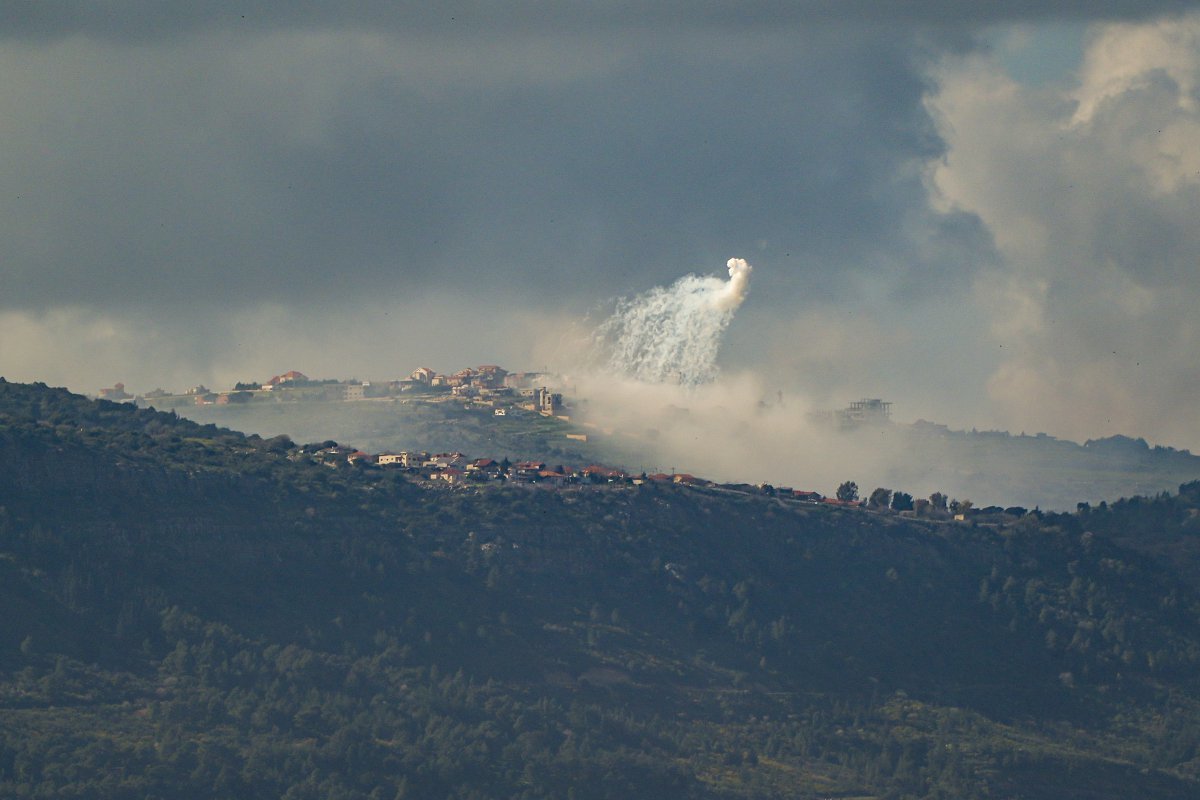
[188,612]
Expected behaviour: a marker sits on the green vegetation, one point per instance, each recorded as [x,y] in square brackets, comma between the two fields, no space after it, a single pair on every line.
[190,612]
[409,424]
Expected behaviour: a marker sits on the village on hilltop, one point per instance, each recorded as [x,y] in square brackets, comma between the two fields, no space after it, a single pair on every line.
[457,469]
[491,387]
[487,386]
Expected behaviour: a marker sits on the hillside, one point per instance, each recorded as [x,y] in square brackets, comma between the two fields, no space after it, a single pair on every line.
[989,467]
[378,426]
[190,612]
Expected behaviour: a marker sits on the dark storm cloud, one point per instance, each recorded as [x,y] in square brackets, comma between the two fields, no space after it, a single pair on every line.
[150,19]
[232,153]
[235,169]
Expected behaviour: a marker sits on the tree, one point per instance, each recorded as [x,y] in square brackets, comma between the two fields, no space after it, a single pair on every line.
[879,498]
[902,501]
[279,444]
[848,492]
[938,501]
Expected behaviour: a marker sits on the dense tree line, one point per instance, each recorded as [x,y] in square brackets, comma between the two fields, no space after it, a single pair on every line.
[191,613]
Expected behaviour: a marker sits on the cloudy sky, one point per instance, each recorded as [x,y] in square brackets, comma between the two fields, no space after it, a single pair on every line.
[986,213]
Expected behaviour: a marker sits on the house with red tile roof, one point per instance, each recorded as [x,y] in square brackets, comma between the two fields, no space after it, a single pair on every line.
[422,375]
[450,475]
[601,474]
[551,478]
[485,467]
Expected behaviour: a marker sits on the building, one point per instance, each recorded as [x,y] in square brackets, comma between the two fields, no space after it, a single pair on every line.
[404,458]
[227,398]
[486,467]
[545,401]
[450,475]
[490,376]
[446,461]
[868,411]
[551,478]
[116,393]
[525,471]
[597,473]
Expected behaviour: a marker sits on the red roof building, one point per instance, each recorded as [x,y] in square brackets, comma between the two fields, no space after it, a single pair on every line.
[449,475]
[600,473]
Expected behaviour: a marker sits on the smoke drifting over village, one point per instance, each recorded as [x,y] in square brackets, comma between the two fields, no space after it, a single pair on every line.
[657,384]
[985,215]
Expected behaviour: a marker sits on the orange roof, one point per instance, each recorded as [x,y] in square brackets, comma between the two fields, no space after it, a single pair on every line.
[596,469]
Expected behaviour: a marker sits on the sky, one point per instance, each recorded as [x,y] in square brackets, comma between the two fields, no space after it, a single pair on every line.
[985,213]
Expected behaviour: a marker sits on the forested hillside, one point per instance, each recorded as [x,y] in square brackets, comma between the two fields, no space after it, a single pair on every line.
[187,612]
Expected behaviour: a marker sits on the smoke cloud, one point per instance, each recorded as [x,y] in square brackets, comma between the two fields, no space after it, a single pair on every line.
[647,381]
[657,402]
[672,334]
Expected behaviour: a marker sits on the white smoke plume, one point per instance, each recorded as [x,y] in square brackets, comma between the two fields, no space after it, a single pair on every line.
[672,335]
